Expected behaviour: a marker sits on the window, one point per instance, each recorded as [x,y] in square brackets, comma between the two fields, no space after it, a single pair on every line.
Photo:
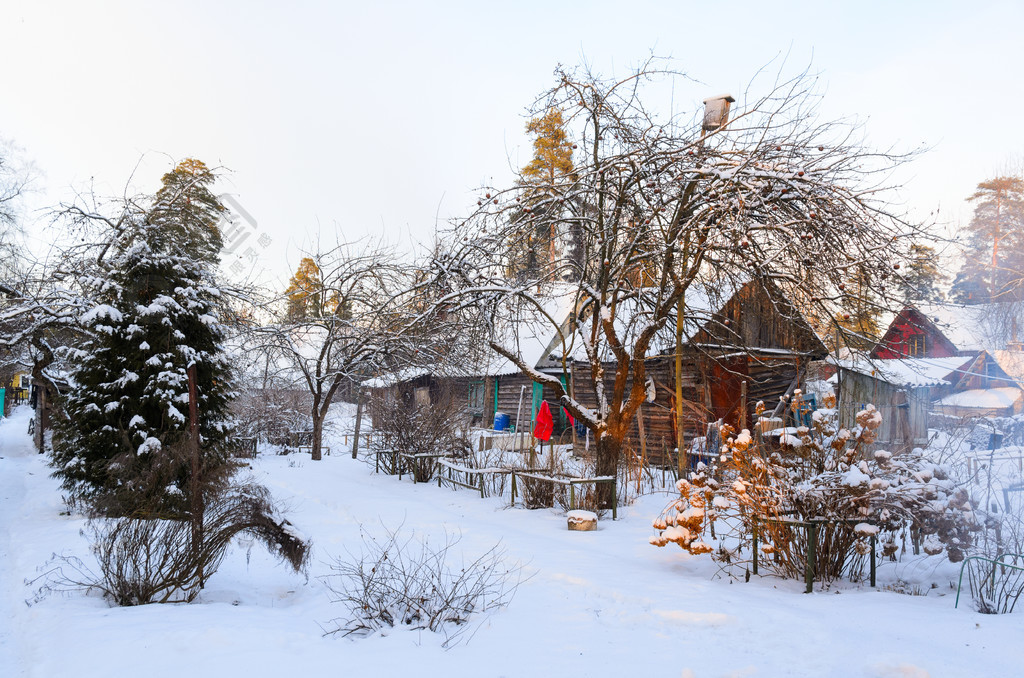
[915,345]
[421,396]
[476,397]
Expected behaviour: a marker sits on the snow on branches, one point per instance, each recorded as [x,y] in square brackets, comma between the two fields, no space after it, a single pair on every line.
[830,476]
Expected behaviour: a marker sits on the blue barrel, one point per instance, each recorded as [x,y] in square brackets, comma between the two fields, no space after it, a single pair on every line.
[501,421]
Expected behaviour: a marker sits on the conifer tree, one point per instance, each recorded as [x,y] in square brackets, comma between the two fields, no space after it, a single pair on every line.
[924,279]
[127,416]
[307,296]
[993,266]
[539,242]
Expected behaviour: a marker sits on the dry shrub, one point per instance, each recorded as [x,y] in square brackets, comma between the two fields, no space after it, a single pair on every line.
[403,425]
[145,560]
[995,588]
[271,413]
[825,473]
[402,580]
[538,493]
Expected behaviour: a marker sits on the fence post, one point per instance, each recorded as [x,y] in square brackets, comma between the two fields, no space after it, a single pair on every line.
[359,421]
[812,541]
[615,499]
[482,486]
[572,496]
[513,489]
[755,544]
[874,542]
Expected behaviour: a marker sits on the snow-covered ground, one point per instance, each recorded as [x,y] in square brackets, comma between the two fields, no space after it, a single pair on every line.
[602,603]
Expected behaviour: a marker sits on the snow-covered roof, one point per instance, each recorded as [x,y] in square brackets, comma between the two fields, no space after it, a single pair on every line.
[392,378]
[912,372]
[1012,363]
[534,337]
[983,398]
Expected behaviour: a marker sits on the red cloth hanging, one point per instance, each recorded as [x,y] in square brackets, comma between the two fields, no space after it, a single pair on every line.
[544,424]
[572,422]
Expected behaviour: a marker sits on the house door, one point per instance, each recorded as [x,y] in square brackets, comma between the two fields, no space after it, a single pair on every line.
[725,383]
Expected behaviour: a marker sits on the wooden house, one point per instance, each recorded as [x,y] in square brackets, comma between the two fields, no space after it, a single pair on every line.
[742,345]
[943,330]
[912,334]
[988,385]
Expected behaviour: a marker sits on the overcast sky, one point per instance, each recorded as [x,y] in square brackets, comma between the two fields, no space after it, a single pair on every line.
[349,120]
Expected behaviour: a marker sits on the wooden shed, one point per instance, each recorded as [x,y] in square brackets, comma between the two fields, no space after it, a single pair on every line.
[752,345]
[746,345]
[903,390]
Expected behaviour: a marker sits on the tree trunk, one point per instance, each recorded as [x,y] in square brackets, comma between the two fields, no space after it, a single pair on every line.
[609,448]
[318,434]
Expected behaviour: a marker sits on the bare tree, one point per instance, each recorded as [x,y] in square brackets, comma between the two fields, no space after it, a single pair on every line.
[660,208]
[363,331]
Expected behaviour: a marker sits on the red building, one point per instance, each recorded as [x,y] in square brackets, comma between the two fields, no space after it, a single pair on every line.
[912,334]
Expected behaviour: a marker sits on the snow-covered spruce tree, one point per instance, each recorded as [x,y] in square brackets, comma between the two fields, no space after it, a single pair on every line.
[123,444]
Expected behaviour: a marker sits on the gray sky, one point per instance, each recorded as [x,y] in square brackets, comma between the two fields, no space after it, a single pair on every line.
[349,120]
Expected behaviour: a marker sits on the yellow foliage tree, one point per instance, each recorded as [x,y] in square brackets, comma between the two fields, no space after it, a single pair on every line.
[550,167]
[307,296]
[552,151]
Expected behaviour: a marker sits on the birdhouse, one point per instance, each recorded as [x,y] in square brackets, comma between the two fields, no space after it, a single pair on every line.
[716,112]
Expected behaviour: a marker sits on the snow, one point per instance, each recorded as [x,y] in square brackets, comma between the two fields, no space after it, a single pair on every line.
[101,311]
[911,372]
[983,398]
[855,478]
[594,603]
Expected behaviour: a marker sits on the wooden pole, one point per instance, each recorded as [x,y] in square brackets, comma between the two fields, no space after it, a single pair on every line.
[359,420]
[679,388]
[743,405]
[643,445]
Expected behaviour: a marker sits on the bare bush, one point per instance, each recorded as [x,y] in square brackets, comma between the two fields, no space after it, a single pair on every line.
[404,425]
[149,560]
[271,414]
[400,580]
[996,588]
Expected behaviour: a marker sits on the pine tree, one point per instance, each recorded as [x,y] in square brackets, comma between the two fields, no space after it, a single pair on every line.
[538,242]
[186,211]
[861,310]
[924,279]
[307,296]
[127,417]
[552,150]
[993,268]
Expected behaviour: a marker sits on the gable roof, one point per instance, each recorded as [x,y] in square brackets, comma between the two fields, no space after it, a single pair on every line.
[891,345]
[713,319]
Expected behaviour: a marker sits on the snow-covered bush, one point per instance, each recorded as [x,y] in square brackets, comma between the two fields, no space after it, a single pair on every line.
[403,580]
[149,560]
[822,473]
